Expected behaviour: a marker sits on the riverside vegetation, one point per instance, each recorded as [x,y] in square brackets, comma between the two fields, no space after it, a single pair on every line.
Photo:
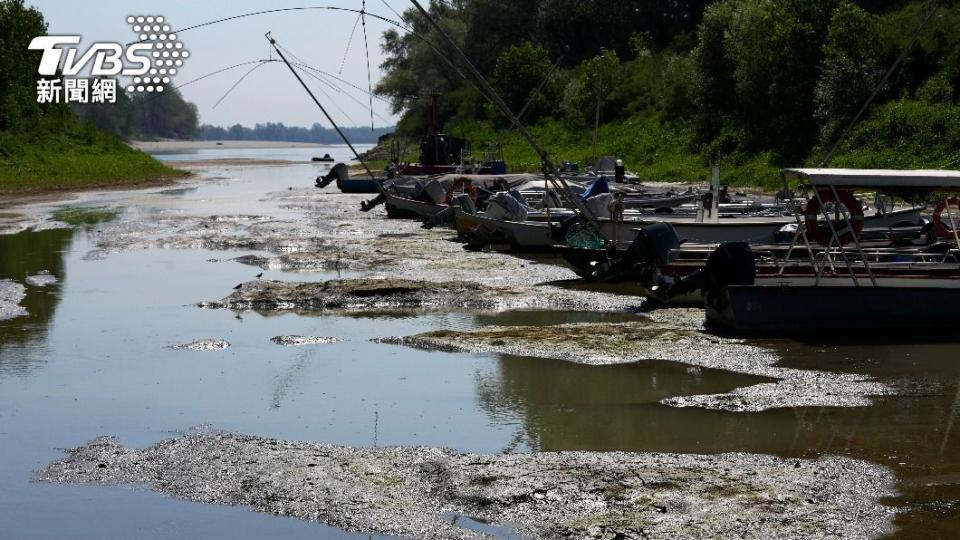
[753,85]
[46,146]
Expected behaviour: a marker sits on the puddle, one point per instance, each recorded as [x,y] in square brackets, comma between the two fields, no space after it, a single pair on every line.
[480,526]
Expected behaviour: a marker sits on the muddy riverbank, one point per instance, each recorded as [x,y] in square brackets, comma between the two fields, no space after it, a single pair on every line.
[412,491]
[526,375]
[396,293]
[609,343]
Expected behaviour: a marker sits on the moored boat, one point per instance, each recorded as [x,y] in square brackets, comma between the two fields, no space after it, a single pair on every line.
[851,289]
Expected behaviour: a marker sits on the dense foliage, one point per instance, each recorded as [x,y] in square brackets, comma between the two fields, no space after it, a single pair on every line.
[752,84]
[279,132]
[45,145]
[145,116]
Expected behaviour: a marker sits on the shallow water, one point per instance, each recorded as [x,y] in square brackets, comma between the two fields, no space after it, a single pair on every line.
[92,358]
[339,152]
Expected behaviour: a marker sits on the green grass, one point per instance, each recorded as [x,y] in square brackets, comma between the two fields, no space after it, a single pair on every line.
[905,134]
[87,217]
[70,159]
[657,152]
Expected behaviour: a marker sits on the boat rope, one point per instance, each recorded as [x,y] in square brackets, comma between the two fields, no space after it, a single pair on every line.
[320,77]
[934,6]
[353,31]
[322,81]
[293,70]
[529,102]
[219,71]
[366,49]
[348,83]
[225,94]
[326,94]
[399,16]
[399,24]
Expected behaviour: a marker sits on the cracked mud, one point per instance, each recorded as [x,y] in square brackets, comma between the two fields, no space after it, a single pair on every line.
[646,339]
[409,491]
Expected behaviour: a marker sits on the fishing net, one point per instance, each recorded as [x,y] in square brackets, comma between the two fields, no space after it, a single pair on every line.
[579,236]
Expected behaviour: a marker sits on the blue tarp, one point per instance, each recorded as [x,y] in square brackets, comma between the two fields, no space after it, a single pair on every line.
[598,186]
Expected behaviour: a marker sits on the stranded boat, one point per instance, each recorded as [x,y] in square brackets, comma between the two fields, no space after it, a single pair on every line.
[540,231]
[849,286]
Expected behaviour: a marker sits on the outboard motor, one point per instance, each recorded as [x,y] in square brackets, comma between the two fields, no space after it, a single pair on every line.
[337,172]
[654,244]
[732,263]
[650,250]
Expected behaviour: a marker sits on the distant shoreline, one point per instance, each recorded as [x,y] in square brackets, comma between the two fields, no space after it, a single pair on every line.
[172,145]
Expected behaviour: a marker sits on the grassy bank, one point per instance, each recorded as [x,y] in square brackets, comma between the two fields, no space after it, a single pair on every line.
[655,151]
[74,159]
[904,134]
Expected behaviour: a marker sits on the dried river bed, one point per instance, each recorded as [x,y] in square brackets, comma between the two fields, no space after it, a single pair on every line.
[410,491]
[496,331]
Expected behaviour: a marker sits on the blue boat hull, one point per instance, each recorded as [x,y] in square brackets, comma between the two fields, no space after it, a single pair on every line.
[810,309]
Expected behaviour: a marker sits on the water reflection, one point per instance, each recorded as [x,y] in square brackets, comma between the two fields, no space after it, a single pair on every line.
[565,406]
[25,254]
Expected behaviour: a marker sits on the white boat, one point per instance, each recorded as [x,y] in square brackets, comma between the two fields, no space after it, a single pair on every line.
[535,232]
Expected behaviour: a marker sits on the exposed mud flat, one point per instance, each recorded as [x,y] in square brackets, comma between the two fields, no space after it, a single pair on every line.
[408,491]
[303,340]
[398,293]
[307,261]
[607,343]
[210,344]
[316,230]
[41,279]
[11,294]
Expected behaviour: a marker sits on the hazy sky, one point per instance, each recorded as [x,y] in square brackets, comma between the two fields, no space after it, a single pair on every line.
[318,37]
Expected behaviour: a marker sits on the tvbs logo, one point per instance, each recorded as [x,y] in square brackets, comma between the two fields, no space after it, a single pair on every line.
[149,63]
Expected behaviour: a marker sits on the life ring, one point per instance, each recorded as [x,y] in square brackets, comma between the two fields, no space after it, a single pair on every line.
[457,185]
[821,232]
[938,225]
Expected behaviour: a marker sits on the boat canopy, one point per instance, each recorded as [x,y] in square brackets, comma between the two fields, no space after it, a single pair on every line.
[880,179]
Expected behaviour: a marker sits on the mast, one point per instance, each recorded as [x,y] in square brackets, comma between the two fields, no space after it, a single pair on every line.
[356,154]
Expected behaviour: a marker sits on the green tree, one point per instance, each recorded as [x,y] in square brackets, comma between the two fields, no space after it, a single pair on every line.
[418,64]
[850,68]
[18,69]
[592,83]
[760,60]
[518,74]
[495,25]
[165,114]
